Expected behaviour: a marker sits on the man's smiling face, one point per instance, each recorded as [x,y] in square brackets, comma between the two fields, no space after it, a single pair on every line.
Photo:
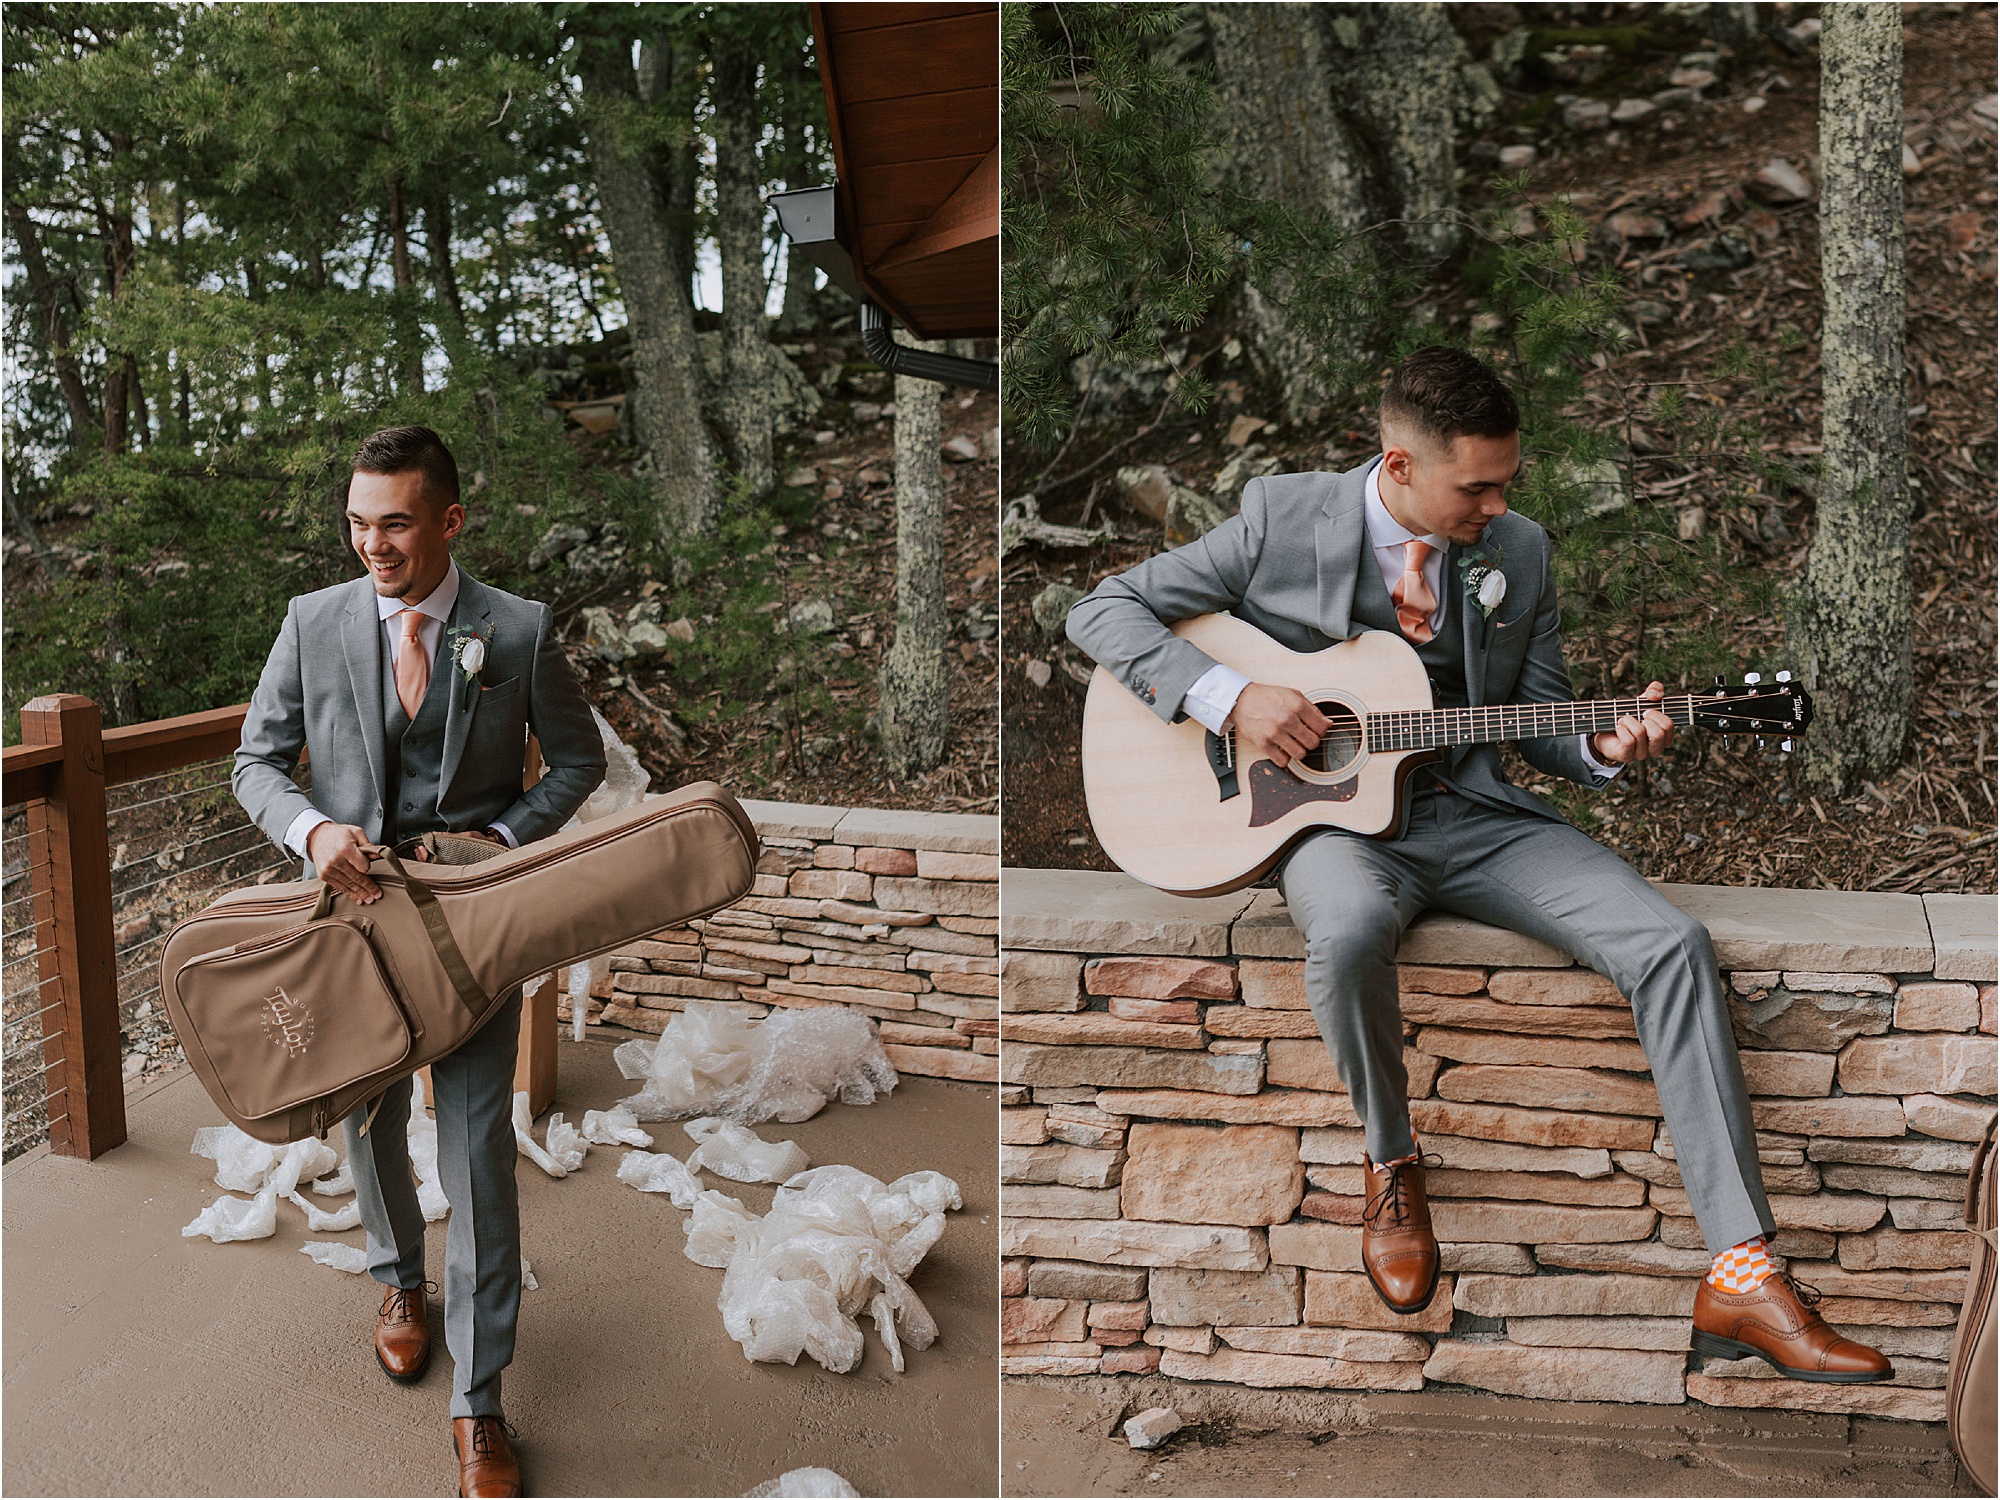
[1452,492]
[403,538]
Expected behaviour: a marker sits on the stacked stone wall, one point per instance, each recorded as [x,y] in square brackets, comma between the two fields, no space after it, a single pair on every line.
[1181,1166]
[894,914]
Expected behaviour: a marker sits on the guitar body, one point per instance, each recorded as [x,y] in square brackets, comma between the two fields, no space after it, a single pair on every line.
[1173,808]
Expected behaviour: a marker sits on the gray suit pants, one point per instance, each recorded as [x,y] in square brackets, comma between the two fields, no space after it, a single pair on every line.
[476,1159]
[1352,897]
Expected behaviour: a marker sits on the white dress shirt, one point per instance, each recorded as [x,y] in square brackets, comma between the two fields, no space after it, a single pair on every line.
[436,610]
[1212,700]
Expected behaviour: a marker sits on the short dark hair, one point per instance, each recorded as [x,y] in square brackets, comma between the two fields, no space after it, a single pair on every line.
[1445,393]
[405,450]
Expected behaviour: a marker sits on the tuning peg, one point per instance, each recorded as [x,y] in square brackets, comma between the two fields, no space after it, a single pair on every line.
[1760,742]
[1753,678]
[1787,746]
[1719,683]
[1784,677]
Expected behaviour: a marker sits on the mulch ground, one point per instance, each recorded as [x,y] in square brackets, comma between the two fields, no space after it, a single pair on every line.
[1711,811]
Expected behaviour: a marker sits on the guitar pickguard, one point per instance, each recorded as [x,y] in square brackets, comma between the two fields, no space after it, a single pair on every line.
[1275,792]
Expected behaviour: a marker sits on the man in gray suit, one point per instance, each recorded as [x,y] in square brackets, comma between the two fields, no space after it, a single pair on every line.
[1420,541]
[413,691]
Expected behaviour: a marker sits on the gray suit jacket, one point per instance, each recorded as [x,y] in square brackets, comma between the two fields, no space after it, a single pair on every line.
[321,692]
[1288,564]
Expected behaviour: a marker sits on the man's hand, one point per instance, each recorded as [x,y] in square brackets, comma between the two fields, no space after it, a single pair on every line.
[335,850]
[1636,738]
[1278,723]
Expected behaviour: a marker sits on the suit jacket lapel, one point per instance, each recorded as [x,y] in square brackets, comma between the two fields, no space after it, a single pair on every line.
[1340,549]
[1473,618]
[472,615]
[361,643]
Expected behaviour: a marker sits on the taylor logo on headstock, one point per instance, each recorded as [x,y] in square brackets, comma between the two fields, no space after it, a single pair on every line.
[288,1023]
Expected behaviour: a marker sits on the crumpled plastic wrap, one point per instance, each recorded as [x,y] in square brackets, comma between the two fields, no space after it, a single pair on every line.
[738,1153]
[566,1146]
[836,1244]
[328,1221]
[528,1282]
[422,1135]
[712,1229]
[657,1172]
[625,782]
[804,1484]
[271,1172]
[616,1126]
[713,1060]
[350,1258]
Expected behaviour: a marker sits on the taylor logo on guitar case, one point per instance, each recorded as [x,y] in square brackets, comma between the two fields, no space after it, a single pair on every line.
[288,1023]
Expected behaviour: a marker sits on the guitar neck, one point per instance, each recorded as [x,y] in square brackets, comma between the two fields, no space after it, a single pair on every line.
[1419,729]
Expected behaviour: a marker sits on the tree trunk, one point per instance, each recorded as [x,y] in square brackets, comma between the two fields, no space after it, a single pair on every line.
[1341,113]
[142,420]
[674,165]
[444,279]
[83,422]
[1852,622]
[913,685]
[666,365]
[739,216]
[408,333]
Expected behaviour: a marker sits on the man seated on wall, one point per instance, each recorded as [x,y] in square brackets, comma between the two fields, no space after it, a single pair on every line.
[1313,559]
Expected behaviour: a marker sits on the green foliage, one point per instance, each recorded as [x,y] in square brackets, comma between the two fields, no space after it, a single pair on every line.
[293,225]
[1112,234]
[190,558]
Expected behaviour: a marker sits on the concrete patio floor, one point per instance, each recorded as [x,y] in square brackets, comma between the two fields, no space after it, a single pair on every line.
[1062,1439]
[141,1363]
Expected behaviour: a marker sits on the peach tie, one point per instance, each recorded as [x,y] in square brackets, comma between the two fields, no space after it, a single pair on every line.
[413,665]
[1414,599]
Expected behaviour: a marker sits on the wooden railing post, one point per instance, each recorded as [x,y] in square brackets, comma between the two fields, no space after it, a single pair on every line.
[70,854]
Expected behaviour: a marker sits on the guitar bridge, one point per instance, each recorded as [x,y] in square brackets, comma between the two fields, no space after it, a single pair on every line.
[1221,751]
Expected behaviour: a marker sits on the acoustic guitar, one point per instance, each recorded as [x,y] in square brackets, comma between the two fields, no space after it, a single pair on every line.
[1180,809]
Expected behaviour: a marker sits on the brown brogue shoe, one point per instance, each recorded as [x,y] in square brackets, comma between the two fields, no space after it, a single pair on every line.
[486,1462]
[1775,1322]
[403,1333]
[1398,1250]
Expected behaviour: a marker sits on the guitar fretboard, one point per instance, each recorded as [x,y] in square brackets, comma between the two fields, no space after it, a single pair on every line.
[1419,729]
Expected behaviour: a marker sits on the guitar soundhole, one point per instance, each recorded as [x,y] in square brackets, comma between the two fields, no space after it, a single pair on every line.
[1342,746]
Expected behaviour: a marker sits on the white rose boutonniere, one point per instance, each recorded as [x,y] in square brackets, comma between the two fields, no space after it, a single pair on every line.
[1485,586]
[468,655]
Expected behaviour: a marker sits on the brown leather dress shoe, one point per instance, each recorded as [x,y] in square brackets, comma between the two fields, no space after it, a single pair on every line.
[486,1462]
[1398,1250]
[403,1333]
[1777,1324]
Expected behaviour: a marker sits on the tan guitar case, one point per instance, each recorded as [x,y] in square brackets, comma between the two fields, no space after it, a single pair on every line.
[294,1005]
[1971,1399]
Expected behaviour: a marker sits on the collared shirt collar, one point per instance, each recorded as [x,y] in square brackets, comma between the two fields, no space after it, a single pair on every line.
[1384,530]
[437,605]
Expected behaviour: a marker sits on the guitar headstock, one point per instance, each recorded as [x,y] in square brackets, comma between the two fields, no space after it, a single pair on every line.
[1755,706]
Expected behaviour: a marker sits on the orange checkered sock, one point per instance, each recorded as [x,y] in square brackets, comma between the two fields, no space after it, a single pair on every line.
[1742,1268]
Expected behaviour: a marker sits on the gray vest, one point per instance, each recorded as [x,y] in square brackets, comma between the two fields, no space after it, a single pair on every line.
[1443,655]
[413,750]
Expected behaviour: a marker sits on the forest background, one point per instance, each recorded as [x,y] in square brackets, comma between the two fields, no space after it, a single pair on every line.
[240,237]
[1225,222]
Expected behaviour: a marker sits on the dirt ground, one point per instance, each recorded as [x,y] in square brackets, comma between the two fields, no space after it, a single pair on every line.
[847,548]
[1713,811]
[157,1365]
[1061,1439]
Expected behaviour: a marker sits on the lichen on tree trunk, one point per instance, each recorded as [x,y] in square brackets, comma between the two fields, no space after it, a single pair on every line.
[666,366]
[913,687]
[739,233]
[1851,623]
[1344,112]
